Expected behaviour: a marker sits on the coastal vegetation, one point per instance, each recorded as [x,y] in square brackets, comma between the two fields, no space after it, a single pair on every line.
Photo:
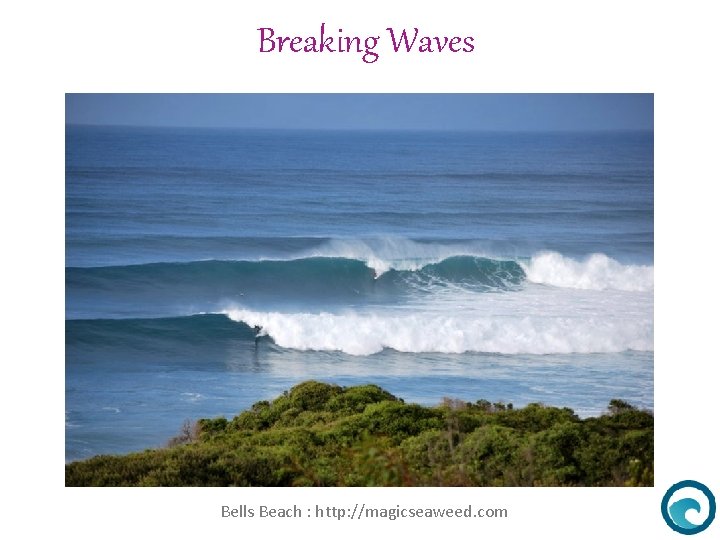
[319,434]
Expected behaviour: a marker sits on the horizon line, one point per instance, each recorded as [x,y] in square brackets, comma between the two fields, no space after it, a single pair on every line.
[368,129]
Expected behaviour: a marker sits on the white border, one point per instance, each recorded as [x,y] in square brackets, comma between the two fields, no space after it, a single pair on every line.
[523,46]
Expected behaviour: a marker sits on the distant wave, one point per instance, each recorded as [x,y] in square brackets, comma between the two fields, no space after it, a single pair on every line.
[595,272]
[319,276]
[356,267]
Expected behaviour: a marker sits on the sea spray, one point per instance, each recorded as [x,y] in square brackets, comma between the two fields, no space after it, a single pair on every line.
[597,272]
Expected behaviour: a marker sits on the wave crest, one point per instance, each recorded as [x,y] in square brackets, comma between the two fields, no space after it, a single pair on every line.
[364,334]
[598,272]
[392,253]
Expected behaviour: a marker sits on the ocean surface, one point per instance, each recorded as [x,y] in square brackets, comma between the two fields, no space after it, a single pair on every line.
[514,267]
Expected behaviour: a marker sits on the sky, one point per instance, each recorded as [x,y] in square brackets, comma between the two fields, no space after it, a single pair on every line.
[483,112]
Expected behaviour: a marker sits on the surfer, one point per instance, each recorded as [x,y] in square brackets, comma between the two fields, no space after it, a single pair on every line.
[257,329]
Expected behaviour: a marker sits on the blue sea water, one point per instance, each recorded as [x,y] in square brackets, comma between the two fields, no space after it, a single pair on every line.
[513,267]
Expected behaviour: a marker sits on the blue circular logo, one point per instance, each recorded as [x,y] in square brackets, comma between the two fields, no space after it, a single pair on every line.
[686,496]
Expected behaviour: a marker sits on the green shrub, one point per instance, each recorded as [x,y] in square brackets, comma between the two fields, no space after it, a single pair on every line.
[491,455]
[356,398]
[312,395]
[320,434]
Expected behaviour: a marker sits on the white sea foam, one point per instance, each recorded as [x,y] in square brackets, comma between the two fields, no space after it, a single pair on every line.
[116,410]
[597,272]
[368,333]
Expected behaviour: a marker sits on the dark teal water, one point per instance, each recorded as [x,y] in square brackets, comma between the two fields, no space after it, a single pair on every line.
[514,267]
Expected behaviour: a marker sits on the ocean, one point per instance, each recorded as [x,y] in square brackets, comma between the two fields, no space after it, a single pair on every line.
[207,269]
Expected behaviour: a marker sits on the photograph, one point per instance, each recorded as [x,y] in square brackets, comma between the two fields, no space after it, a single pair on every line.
[334,290]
